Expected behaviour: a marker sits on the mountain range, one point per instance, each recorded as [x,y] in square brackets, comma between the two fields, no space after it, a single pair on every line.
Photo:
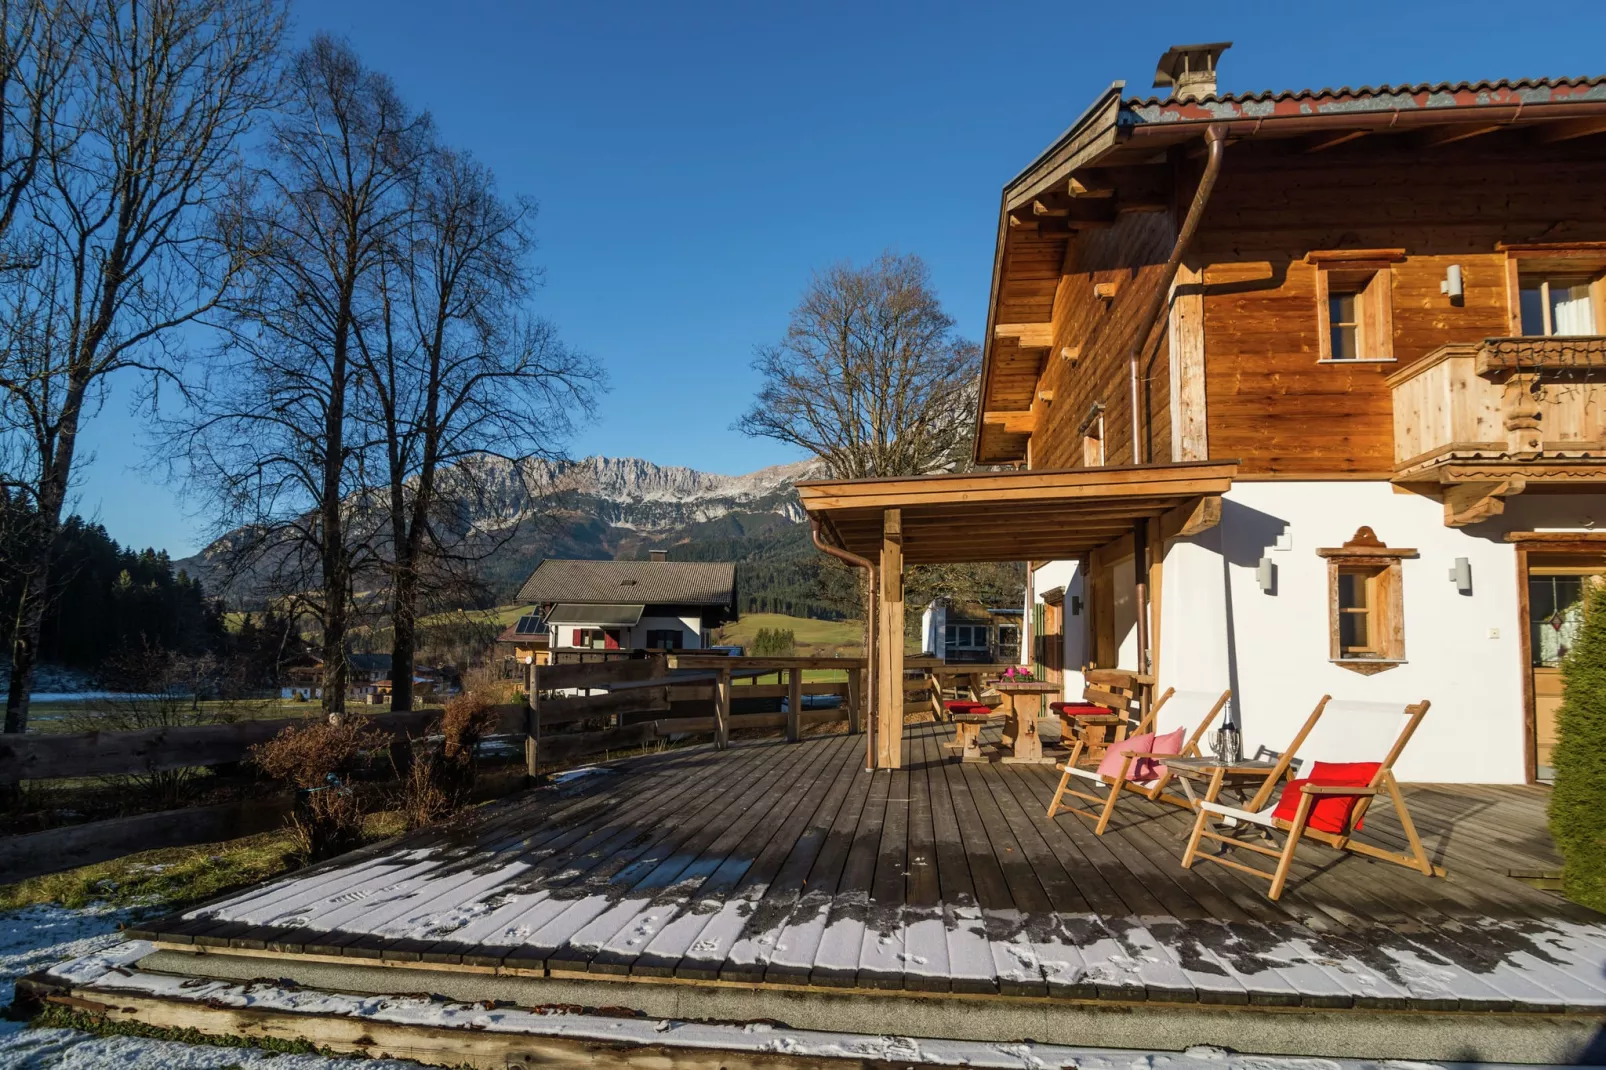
[621,507]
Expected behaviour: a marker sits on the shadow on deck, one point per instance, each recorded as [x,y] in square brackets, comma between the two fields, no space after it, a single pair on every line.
[791,865]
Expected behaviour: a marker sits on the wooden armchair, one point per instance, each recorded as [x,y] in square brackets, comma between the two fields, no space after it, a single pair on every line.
[1198,708]
[1328,804]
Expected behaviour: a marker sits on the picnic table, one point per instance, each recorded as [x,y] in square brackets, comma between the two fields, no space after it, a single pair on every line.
[1020,731]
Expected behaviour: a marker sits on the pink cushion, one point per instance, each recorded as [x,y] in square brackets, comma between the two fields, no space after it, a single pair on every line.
[1110,765]
[1147,769]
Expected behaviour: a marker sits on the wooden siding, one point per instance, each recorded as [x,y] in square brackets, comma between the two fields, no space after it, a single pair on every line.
[1269,404]
[1130,254]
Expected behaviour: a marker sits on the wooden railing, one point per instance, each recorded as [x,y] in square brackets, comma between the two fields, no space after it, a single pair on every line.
[1502,400]
[656,696]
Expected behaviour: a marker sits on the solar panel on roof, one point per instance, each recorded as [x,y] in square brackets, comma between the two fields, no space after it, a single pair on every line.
[528,624]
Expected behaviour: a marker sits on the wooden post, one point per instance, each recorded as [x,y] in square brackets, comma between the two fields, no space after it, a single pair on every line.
[889,685]
[794,704]
[1140,604]
[855,701]
[532,725]
[872,656]
[722,710]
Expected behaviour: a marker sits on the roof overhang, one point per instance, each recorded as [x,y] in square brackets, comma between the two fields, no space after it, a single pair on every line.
[615,616]
[1010,516]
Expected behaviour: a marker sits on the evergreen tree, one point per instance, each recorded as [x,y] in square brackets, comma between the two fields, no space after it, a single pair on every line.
[1578,804]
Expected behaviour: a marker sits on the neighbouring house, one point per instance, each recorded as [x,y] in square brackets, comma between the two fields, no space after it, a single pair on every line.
[368,678]
[1302,393]
[971,633]
[524,642]
[655,604]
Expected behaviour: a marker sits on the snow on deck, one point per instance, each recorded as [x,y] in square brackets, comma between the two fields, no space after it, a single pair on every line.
[791,864]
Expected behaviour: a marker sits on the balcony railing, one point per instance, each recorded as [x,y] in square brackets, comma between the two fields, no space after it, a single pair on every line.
[1502,401]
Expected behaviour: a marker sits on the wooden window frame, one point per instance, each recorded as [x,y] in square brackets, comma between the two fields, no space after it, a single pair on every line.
[1367,273]
[1368,554]
[1583,259]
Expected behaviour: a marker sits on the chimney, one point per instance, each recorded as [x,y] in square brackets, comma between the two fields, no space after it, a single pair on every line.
[658,555]
[1189,71]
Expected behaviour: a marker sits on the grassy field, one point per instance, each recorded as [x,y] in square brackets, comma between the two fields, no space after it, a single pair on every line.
[818,638]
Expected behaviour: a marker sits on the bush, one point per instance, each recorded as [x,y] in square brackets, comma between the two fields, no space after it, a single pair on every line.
[318,760]
[774,643]
[1577,816]
[441,778]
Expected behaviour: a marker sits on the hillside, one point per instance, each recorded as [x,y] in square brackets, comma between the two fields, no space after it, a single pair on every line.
[607,507]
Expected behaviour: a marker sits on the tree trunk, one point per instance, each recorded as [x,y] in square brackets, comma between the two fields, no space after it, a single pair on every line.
[333,557]
[404,636]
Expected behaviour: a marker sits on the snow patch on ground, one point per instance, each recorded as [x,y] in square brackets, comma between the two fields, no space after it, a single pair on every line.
[40,937]
[575,774]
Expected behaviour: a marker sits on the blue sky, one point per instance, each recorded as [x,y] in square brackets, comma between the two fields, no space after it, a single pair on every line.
[695,162]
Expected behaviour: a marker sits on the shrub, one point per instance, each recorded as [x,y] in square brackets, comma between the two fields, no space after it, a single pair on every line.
[318,760]
[774,643]
[1577,817]
[441,778]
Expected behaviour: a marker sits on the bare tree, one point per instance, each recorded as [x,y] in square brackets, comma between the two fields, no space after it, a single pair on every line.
[41,43]
[870,377]
[127,250]
[458,376]
[277,443]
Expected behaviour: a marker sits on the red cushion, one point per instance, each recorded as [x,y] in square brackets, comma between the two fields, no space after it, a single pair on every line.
[1079,709]
[966,707]
[1329,813]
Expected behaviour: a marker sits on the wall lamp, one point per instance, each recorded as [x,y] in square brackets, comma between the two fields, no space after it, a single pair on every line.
[1461,575]
[1451,284]
[1266,575]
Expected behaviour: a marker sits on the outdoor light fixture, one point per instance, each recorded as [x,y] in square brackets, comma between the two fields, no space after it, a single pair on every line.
[1461,575]
[1451,284]
[1266,575]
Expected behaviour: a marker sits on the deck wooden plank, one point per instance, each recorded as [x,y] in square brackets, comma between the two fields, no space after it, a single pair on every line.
[749,955]
[683,907]
[795,844]
[836,955]
[970,957]
[651,901]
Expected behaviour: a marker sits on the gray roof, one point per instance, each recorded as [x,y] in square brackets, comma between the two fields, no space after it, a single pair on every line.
[595,613]
[694,583]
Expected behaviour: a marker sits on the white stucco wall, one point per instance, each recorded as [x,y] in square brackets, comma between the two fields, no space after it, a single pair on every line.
[1060,574]
[933,623]
[690,627]
[1463,651]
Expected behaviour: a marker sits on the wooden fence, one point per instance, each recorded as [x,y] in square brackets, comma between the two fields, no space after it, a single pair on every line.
[655,697]
[576,710]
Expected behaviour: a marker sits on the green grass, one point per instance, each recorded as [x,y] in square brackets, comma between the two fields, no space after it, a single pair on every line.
[174,877]
[826,638]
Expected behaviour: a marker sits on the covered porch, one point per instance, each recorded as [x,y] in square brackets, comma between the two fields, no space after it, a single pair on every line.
[883,526]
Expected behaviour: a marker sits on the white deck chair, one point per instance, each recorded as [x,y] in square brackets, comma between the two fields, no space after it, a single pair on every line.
[1334,732]
[1196,708]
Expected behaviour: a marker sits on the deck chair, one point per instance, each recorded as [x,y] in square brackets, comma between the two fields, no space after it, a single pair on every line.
[1325,808]
[1198,708]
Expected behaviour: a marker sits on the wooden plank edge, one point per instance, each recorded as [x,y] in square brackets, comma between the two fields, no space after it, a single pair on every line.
[437,1045]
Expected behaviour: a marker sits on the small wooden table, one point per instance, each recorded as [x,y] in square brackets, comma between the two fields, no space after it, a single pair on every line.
[1020,732]
[1218,772]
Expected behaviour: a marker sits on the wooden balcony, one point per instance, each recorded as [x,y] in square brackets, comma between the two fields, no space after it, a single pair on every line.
[1486,419]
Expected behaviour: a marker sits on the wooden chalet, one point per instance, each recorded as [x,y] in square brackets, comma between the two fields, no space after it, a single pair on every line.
[1300,393]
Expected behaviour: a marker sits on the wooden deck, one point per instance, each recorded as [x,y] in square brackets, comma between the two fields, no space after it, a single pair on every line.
[788,864]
